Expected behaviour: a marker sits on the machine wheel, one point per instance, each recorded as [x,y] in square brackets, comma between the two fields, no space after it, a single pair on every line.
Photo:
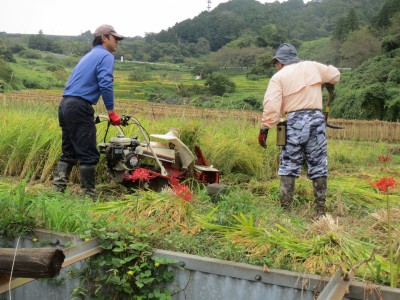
[216,190]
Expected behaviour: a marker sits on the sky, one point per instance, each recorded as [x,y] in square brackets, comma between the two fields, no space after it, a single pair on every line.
[73,17]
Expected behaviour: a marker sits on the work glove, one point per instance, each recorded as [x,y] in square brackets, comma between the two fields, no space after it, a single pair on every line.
[262,137]
[115,119]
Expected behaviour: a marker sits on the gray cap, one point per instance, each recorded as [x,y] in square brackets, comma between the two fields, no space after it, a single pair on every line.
[107,29]
[286,54]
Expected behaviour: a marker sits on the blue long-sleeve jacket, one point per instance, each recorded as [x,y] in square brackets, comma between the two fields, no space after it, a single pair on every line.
[93,77]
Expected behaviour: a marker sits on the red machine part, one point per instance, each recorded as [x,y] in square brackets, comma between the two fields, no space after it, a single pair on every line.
[176,175]
[146,175]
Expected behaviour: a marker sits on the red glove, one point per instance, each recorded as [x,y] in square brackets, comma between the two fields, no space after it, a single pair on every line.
[115,119]
[262,137]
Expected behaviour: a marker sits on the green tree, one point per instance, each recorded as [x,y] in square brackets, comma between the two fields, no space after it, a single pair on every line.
[6,74]
[373,100]
[237,57]
[371,90]
[392,40]
[41,42]
[345,24]
[16,48]
[387,10]
[5,53]
[339,32]
[203,46]
[322,50]
[359,46]
[272,35]
[219,85]
[352,22]
[204,69]
[37,41]
[139,75]
[263,66]
[247,39]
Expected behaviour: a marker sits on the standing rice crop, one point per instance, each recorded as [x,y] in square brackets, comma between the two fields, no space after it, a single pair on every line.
[27,135]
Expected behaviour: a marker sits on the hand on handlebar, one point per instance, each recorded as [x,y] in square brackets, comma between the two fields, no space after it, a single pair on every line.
[115,119]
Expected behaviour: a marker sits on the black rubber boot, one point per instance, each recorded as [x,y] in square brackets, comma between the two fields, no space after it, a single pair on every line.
[320,186]
[287,191]
[88,179]
[61,176]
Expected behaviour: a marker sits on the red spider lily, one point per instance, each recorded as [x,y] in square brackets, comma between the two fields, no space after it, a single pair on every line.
[383,158]
[142,174]
[182,191]
[385,183]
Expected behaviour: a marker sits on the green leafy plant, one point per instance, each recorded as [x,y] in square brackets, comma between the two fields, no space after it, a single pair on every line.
[125,269]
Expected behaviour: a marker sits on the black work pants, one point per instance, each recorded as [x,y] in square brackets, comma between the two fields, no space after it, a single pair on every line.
[76,119]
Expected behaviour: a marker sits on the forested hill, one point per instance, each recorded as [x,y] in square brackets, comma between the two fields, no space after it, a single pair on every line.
[292,20]
[362,35]
[236,23]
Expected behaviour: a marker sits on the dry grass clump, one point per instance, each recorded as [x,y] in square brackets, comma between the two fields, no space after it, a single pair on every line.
[381,218]
[326,225]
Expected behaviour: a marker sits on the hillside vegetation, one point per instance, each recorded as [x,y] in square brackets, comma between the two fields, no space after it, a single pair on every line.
[229,48]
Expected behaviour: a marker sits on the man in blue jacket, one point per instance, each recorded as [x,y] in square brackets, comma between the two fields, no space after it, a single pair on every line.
[91,78]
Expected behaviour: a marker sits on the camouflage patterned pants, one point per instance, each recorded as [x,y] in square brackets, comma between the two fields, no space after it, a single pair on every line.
[305,140]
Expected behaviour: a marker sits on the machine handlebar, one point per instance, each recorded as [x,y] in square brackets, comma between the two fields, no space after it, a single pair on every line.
[124,119]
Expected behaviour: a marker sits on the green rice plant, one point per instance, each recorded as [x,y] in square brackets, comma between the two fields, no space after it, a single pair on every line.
[15,208]
[24,208]
[11,139]
[28,132]
[51,156]
[345,156]
[39,153]
[62,213]
[356,192]
[234,149]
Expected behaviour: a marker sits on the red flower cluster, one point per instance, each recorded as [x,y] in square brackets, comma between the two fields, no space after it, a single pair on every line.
[383,158]
[182,191]
[385,183]
[142,174]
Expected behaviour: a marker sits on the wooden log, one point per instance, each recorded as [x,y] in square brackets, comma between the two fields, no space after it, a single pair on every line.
[31,262]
